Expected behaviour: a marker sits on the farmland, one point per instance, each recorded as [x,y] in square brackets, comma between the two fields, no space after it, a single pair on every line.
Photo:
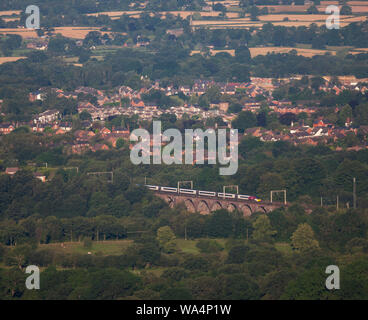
[69,32]
[10,59]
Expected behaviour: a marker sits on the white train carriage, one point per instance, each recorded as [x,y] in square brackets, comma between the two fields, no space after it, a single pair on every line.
[206,193]
[188,191]
[153,188]
[226,195]
[243,197]
[202,193]
[169,189]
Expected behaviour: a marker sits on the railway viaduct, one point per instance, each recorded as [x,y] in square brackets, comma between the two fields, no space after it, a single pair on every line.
[205,205]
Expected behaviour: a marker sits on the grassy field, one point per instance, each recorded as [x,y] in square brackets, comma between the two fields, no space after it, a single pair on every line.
[117,247]
[114,247]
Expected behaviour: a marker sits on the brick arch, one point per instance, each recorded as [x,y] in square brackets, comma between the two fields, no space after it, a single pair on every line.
[216,206]
[189,204]
[231,207]
[246,210]
[203,207]
[264,209]
[171,201]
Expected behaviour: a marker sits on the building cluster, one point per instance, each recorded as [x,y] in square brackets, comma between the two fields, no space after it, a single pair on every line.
[320,133]
[99,105]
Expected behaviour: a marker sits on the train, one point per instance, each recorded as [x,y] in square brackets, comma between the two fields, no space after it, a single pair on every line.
[201,193]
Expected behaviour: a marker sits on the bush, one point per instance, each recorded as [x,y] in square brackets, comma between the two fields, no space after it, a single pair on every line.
[237,254]
[209,246]
[196,263]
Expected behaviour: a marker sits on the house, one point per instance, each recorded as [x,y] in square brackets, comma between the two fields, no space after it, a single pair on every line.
[6,128]
[36,96]
[12,170]
[137,103]
[114,137]
[120,130]
[80,148]
[105,131]
[40,176]
[59,131]
[319,123]
[100,147]
[175,32]
[66,126]
[47,117]
[81,135]
[39,127]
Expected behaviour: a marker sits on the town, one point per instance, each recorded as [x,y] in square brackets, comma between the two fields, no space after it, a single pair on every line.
[129,103]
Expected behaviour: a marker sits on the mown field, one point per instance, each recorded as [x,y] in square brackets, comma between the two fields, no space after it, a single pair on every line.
[117,247]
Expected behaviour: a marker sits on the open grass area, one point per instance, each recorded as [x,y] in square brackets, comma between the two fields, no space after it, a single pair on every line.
[118,247]
[187,246]
[113,247]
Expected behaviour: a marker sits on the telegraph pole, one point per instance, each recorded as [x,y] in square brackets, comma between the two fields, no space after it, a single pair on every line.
[354,193]
[232,186]
[277,191]
[337,202]
[185,182]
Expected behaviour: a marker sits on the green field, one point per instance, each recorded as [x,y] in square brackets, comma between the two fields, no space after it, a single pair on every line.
[114,247]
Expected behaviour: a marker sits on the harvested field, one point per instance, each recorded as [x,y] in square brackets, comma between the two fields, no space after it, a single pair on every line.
[230,52]
[25,33]
[294,20]
[74,32]
[78,32]
[11,19]
[10,59]
[303,52]
[9,13]
[302,17]
[362,8]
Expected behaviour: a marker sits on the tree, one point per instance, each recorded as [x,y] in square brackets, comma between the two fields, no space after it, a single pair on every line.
[262,229]
[316,82]
[303,239]
[312,10]
[345,114]
[346,10]
[242,54]
[19,256]
[270,181]
[288,118]
[237,254]
[120,143]
[245,120]
[166,239]
[361,114]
